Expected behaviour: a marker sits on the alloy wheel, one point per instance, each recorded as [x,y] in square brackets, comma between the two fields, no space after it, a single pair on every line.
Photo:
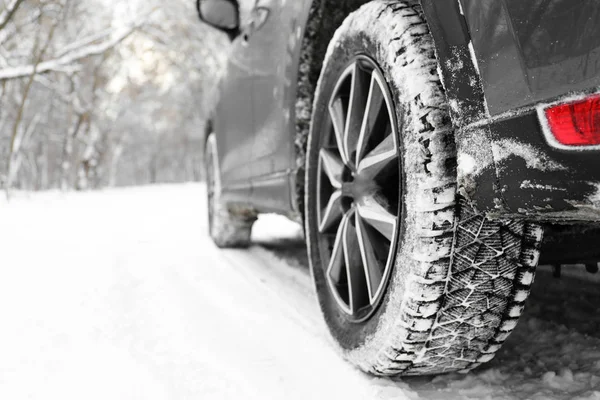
[359,189]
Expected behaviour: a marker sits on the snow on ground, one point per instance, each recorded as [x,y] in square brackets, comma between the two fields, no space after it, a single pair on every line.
[121,295]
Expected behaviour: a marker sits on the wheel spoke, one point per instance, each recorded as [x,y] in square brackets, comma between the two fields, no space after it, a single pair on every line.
[375,214]
[371,265]
[336,263]
[357,285]
[356,111]
[332,166]
[338,119]
[332,213]
[375,101]
[374,162]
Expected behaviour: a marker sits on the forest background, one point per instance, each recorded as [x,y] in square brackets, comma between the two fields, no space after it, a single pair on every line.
[101,93]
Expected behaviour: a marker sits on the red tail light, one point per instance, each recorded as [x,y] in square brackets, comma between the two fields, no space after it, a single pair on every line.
[576,123]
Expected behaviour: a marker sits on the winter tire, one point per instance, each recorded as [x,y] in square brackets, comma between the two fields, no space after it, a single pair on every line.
[225,228]
[410,278]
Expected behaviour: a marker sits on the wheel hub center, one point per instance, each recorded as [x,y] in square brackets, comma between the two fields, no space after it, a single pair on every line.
[358,187]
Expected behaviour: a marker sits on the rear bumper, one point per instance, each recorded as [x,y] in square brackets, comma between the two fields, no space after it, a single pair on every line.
[506,168]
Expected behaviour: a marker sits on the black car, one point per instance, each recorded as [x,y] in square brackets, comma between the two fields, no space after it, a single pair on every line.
[426,145]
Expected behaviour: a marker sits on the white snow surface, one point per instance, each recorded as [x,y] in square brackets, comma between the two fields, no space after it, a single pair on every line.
[120,294]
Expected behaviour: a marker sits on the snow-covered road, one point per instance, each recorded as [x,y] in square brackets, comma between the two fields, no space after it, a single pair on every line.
[121,295]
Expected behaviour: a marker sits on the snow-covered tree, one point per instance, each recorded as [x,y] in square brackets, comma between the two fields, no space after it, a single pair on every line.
[100,92]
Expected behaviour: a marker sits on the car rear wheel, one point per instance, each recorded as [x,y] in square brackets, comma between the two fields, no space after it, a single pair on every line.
[410,278]
[227,228]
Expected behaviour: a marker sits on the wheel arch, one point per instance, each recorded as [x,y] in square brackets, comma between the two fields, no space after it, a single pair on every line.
[207,129]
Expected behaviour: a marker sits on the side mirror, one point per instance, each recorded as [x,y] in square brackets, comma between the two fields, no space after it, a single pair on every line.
[221,14]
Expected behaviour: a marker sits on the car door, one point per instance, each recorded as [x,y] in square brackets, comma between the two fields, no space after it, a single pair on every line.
[275,42]
[234,120]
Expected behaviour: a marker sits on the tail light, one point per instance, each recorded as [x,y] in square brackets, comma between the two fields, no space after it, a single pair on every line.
[575,124]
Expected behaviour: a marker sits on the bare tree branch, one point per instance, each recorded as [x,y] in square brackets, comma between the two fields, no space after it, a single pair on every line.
[90,39]
[15,141]
[9,31]
[7,14]
[66,98]
[71,57]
